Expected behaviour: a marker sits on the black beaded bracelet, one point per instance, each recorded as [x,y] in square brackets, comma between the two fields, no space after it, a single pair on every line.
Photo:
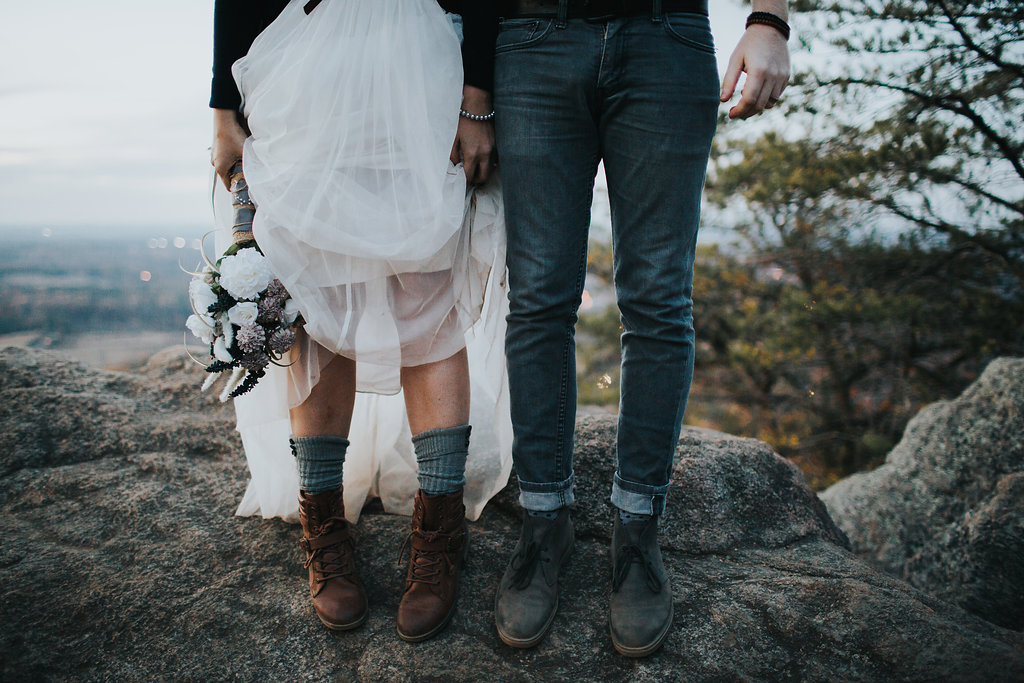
[769,19]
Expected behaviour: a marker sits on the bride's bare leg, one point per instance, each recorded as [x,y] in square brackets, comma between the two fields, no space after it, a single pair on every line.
[437,394]
[328,409]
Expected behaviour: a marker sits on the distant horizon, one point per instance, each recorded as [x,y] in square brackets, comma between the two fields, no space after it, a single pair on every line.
[52,230]
[14,233]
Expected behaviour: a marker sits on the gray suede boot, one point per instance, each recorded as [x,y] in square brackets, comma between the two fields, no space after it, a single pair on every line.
[527,597]
[641,605]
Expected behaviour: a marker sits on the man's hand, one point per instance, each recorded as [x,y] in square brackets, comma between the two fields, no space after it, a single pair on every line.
[474,140]
[762,53]
[228,139]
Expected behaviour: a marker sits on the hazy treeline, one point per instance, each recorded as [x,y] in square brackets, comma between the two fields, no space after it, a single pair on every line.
[79,285]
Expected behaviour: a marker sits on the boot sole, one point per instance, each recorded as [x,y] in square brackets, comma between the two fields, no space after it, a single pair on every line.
[650,648]
[451,612]
[344,627]
[432,632]
[525,643]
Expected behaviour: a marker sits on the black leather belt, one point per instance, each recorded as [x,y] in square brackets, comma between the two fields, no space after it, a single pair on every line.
[595,9]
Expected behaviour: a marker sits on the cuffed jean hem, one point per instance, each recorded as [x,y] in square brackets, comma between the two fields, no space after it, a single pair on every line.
[545,497]
[638,499]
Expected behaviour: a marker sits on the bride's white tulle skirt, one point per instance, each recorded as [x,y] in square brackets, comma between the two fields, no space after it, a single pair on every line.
[353,110]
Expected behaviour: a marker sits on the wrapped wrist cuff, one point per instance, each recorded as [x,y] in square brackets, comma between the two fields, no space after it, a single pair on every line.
[769,19]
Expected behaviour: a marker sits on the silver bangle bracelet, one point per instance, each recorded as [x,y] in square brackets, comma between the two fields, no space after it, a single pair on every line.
[476,117]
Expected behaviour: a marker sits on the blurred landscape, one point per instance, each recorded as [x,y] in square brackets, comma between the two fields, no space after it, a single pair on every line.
[109,298]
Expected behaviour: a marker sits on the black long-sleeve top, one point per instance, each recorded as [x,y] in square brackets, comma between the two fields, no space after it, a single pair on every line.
[236,23]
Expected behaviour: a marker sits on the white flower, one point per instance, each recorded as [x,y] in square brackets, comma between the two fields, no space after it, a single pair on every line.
[227,330]
[201,326]
[220,351]
[242,314]
[245,274]
[291,311]
[237,375]
[208,382]
[207,275]
[201,294]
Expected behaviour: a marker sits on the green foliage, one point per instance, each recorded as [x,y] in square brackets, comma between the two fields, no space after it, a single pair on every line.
[599,260]
[882,231]
[598,347]
[924,102]
[828,352]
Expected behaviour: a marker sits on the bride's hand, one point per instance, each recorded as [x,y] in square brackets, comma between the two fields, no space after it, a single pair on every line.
[228,139]
[474,140]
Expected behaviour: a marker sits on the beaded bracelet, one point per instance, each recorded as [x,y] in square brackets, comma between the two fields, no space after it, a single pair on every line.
[769,19]
[476,117]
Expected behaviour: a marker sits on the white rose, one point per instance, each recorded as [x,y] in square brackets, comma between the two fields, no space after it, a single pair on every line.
[242,314]
[201,294]
[220,351]
[245,274]
[201,327]
[207,275]
[291,311]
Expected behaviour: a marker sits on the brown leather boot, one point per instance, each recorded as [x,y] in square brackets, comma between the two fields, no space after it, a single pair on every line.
[338,596]
[438,545]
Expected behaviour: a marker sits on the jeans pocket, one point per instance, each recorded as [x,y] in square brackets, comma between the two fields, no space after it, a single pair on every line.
[514,34]
[692,30]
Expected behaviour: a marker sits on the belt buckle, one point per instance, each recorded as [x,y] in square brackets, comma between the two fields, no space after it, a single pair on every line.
[604,10]
[600,10]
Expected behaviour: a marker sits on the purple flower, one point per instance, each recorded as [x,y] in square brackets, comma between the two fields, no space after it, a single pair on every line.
[270,310]
[254,361]
[276,290]
[250,338]
[282,339]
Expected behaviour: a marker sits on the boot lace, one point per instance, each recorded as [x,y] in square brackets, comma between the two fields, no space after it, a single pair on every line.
[525,564]
[629,555]
[331,561]
[426,566]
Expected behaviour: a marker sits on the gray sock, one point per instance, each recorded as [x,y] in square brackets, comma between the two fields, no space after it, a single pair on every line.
[441,456]
[319,460]
[627,517]
[544,514]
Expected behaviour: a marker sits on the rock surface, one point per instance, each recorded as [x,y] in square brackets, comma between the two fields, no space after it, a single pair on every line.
[121,559]
[946,510]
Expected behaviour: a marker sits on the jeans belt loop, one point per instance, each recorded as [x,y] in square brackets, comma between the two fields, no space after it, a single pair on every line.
[563,14]
[657,14]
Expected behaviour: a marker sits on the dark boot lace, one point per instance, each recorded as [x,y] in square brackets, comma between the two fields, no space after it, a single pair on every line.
[524,565]
[331,561]
[628,555]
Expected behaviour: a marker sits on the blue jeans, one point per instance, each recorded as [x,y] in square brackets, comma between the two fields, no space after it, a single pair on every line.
[641,93]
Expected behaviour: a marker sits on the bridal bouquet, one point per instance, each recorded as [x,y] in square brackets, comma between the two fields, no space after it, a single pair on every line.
[239,308]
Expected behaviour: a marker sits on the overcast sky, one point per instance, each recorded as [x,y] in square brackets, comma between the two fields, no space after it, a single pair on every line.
[103,109]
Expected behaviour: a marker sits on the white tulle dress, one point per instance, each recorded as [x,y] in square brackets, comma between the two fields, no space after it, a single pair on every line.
[353,109]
